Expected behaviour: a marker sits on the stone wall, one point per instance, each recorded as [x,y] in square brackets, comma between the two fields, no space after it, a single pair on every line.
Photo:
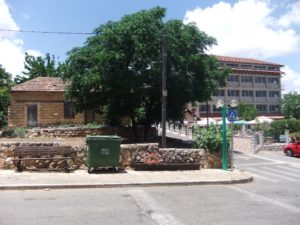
[129,154]
[125,132]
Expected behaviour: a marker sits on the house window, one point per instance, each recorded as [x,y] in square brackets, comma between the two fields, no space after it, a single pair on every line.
[260,94]
[233,78]
[261,108]
[274,108]
[69,110]
[247,79]
[219,93]
[274,94]
[247,93]
[232,93]
[260,80]
[273,80]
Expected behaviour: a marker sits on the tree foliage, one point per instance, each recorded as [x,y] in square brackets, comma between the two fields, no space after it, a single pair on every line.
[5,84]
[246,111]
[291,105]
[119,68]
[209,138]
[39,67]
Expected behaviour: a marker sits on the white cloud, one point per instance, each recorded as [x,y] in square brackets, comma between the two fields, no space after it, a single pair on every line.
[292,16]
[290,81]
[12,51]
[246,28]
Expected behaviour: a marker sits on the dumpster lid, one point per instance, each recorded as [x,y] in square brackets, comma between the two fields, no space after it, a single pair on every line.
[103,138]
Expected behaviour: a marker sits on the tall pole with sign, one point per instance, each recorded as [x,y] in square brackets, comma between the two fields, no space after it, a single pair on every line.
[232,114]
[224,139]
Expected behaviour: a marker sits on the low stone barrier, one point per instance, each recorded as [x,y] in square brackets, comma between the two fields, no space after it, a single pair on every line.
[125,132]
[130,153]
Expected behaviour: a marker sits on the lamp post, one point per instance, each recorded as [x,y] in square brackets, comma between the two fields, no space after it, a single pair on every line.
[221,104]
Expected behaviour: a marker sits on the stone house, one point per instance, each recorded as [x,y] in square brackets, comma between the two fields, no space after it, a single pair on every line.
[41,102]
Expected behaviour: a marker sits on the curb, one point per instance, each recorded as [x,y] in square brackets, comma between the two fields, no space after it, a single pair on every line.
[124,185]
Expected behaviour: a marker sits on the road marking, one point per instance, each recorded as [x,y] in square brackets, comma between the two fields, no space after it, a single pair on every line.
[282,172]
[150,207]
[297,166]
[272,160]
[242,157]
[258,164]
[269,172]
[288,168]
[270,200]
[260,176]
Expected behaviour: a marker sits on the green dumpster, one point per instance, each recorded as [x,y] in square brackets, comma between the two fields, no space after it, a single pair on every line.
[103,152]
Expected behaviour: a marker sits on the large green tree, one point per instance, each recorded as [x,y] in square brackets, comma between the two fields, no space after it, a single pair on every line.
[5,84]
[39,67]
[291,105]
[119,68]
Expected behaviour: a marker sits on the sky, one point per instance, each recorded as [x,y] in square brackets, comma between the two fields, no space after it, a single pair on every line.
[263,29]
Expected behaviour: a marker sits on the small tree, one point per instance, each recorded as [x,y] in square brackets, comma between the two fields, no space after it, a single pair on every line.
[209,138]
[291,105]
[246,111]
[39,67]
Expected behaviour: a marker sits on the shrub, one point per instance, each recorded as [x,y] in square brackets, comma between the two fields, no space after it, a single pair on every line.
[209,138]
[20,132]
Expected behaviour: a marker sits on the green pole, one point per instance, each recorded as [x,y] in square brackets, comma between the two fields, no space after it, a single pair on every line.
[224,144]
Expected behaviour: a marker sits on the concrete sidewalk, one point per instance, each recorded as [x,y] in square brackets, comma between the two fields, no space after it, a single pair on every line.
[12,180]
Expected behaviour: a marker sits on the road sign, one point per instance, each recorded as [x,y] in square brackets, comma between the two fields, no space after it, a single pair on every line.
[231,115]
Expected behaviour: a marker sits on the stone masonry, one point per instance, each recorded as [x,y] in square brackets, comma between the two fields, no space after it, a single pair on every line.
[129,153]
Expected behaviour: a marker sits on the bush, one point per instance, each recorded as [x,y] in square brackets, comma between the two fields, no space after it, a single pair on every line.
[20,132]
[209,138]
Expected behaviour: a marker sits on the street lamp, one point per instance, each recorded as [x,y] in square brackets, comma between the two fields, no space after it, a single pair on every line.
[221,104]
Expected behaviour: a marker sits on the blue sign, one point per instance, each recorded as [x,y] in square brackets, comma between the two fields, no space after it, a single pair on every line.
[231,115]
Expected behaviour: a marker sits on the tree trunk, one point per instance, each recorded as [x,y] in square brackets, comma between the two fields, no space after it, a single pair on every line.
[135,130]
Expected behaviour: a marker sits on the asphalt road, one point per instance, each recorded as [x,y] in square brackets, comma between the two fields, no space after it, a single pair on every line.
[273,198]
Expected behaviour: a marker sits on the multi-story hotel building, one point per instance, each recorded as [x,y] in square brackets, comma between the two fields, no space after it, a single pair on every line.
[251,81]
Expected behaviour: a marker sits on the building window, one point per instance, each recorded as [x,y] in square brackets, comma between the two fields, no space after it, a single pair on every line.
[247,79]
[247,93]
[260,67]
[273,80]
[273,68]
[233,78]
[274,108]
[246,66]
[219,93]
[233,93]
[260,80]
[260,94]
[261,108]
[274,94]
[215,109]
[234,65]
[204,108]
[69,110]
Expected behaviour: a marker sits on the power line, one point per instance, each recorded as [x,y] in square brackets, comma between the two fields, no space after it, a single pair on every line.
[66,32]
[48,32]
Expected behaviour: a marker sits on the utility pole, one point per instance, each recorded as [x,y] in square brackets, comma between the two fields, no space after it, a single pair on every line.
[164,89]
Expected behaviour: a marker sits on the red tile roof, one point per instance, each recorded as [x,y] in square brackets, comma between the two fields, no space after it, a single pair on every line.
[41,84]
[230,59]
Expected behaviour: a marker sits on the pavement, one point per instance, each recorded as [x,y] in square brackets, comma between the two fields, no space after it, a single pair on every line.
[29,180]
